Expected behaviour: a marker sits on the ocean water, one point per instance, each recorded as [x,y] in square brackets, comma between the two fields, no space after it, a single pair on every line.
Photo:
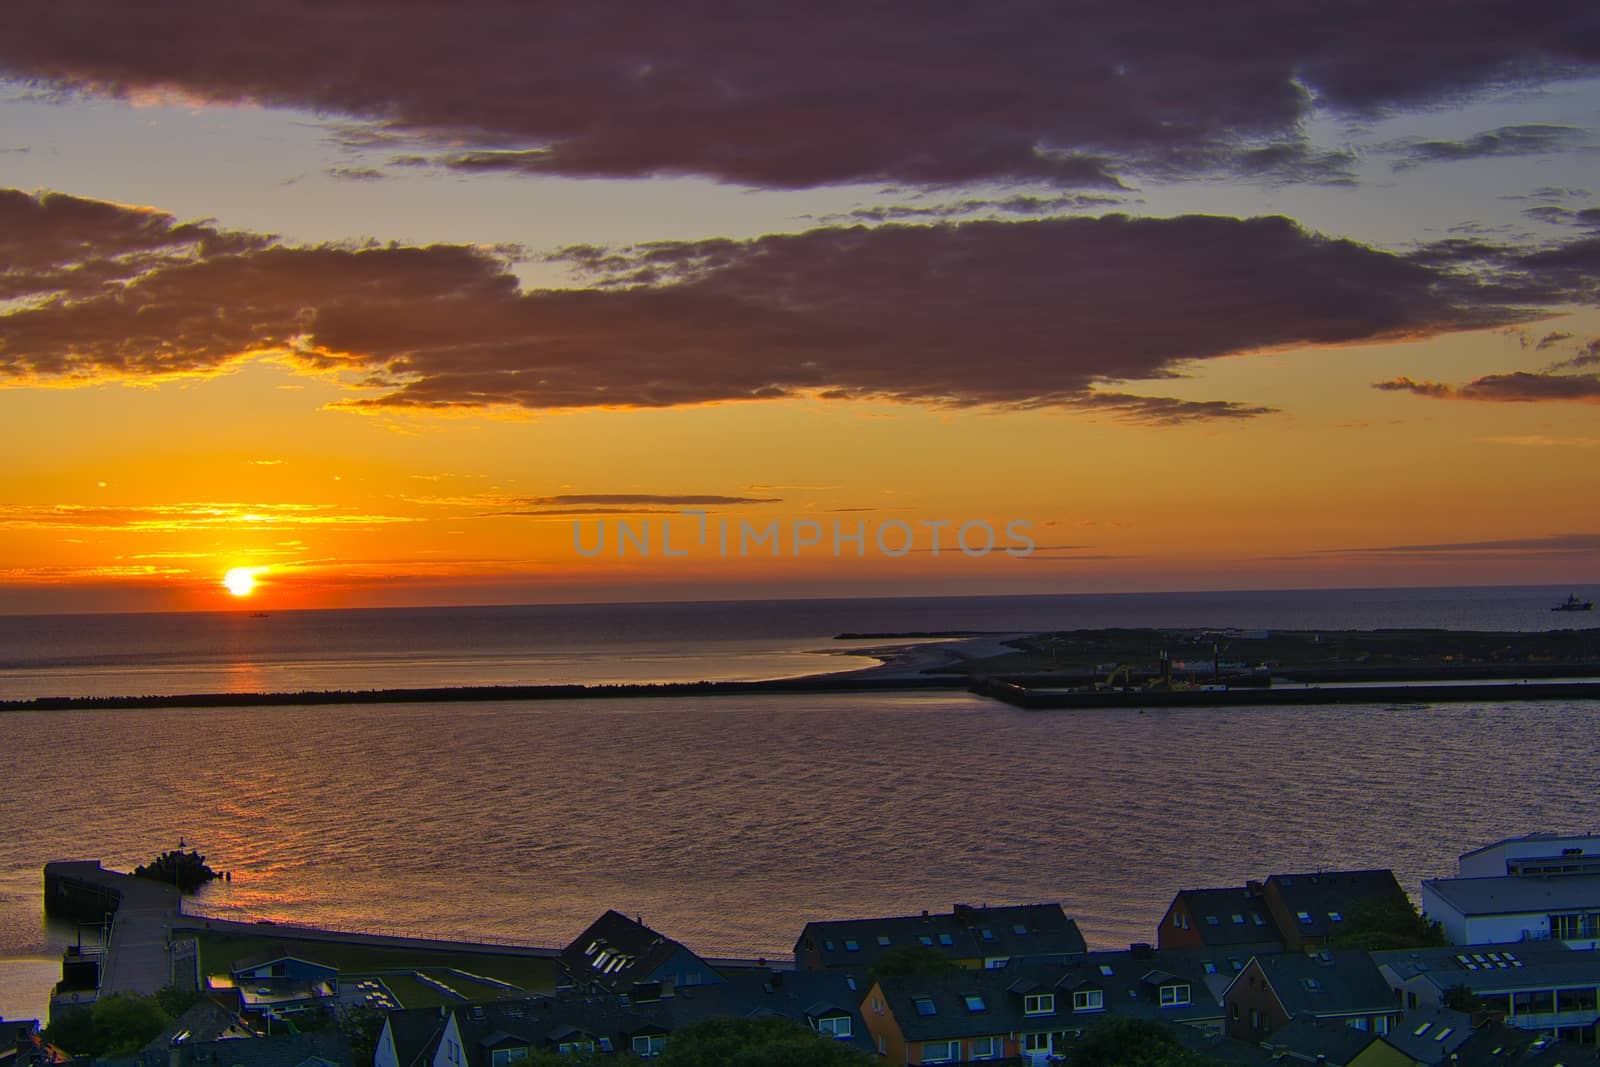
[206,652]
[730,822]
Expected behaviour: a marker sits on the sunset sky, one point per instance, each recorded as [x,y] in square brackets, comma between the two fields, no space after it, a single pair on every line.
[376,300]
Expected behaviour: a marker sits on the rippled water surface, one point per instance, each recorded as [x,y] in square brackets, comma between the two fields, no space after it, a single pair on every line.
[729,822]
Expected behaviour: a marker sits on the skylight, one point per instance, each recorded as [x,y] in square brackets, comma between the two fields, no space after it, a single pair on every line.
[925,1006]
[975,1002]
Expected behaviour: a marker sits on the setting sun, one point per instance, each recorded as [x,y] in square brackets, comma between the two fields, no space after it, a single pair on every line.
[241,581]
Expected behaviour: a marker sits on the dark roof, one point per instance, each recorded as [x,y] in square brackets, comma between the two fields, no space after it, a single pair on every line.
[539,1022]
[205,1020]
[1310,1039]
[415,1033]
[1221,1048]
[617,952]
[1020,931]
[1319,904]
[1132,988]
[1235,916]
[316,1049]
[1326,983]
[1495,968]
[804,997]
[279,953]
[1430,1035]
[1511,895]
[951,1016]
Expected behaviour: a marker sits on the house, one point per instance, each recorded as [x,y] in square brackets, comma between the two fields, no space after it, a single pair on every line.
[617,954]
[1533,854]
[1236,919]
[968,1016]
[1311,909]
[1345,986]
[507,1032]
[1331,1043]
[828,1003]
[321,1048]
[1143,983]
[410,1037]
[1513,908]
[277,984]
[1543,986]
[969,936]
[974,1016]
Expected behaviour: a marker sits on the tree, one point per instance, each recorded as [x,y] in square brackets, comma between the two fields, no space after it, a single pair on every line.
[1460,998]
[911,959]
[126,1022]
[120,1024]
[1131,1043]
[1387,923]
[767,1042]
[361,1027]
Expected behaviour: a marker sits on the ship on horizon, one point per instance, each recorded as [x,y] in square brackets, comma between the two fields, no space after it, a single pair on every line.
[1572,603]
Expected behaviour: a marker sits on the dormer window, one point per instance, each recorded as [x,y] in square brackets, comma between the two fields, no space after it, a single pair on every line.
[1088,1000]
[1039,1004]
[1175,995]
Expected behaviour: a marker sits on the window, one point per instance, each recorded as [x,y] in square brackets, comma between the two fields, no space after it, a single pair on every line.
[1335,917]
[975,1002]
[877,1005]
[1233,961]
[1174,996]
[925,939]
[1211,968]
[828,945]
[504,1057]
[1106,971]
[1088,1000]
[988,934]
[1038,1004]
[946,939]
[852,945]
[883,941]
[1238,920]
[570,1048]
[925,1006]
[1444,1033]
[1381,1024]
[987,1048]
[994,963]
[1256,915]
[1359,1022]
[883,1044]
[647,1045]
[1304,916]
[850,982]
[941,1051]
[837,1025]
[1211,920]
[1018,928]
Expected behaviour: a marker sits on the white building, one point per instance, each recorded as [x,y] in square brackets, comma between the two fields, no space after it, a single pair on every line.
[1534,854]
[1511,908]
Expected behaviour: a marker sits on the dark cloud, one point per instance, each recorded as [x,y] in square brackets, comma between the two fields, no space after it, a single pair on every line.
[1527,140]
[1553,544]
[940,92]
[1054,312]
[692,500]
[356,174]
[1021,205]
[1512,387]
[1551,339]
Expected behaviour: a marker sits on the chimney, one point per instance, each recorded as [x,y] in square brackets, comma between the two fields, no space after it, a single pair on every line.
[924,914]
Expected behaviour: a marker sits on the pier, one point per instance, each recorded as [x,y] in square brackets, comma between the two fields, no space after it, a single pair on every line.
[140,912]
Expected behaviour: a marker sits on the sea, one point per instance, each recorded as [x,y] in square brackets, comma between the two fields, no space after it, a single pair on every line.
[728,822]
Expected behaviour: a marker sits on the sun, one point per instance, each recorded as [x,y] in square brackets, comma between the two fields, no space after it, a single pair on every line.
[241,581]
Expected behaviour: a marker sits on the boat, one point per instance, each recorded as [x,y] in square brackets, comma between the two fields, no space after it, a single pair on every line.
[1572,603]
